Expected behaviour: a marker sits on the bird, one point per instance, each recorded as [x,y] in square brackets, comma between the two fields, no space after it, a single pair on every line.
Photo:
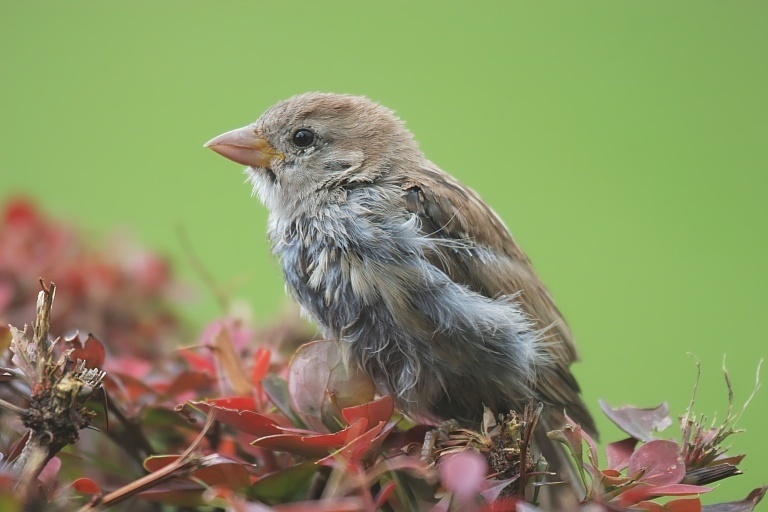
[410,272]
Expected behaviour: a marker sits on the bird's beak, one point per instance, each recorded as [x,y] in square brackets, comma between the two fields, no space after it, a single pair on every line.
[245,146]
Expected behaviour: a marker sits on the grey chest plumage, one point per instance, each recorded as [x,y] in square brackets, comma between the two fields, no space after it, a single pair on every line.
[361,268]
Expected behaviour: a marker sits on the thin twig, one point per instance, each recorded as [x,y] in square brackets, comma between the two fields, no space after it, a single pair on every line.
[135,435]
[205,276]
[185,464]
[8,406]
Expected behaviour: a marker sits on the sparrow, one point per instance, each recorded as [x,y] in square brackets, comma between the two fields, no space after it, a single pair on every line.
[414,276]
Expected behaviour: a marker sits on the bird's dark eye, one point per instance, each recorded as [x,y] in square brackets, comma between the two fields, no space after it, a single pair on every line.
[303,138]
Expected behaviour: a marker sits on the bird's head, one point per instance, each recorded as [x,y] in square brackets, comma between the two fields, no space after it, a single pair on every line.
[315,144]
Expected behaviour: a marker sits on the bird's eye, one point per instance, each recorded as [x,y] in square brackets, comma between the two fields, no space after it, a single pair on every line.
[303,138]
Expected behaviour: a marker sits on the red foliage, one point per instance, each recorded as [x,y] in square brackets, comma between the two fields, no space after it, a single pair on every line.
[122,294]
[229,422]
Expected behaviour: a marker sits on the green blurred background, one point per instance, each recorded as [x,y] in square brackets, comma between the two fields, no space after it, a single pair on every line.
[624,143]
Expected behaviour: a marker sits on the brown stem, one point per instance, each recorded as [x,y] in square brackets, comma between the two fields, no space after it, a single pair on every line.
[177,468]
[43,320]
[8,406]
[184,465]
[28,466]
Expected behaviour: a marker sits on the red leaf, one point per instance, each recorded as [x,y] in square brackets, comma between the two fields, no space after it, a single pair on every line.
[224,472]
[187,381]
[683,505]
[291,443]
[91,351]
[7,482]
[678,490]
[570,435]
[345,435]
[49,474]
[639,423]
[260,365]
[659,462]
[643,492]
[374,412]
[86,486]
[463,474]
[319,384]
[158,462]
[312,445]
[20,210]
[503,505]
[232,475]
[360,447]
[386,491]
[135,366]
[309,371]
[132,388]
[198,362]
[619,452]
[243,420]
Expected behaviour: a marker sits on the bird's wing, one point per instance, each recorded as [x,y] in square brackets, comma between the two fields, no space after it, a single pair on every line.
[480,254]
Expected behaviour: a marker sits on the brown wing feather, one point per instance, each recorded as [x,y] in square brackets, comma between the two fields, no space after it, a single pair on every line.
[449,210]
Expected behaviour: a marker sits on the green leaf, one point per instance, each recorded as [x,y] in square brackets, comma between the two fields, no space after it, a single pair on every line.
[286,485]
[276,389]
